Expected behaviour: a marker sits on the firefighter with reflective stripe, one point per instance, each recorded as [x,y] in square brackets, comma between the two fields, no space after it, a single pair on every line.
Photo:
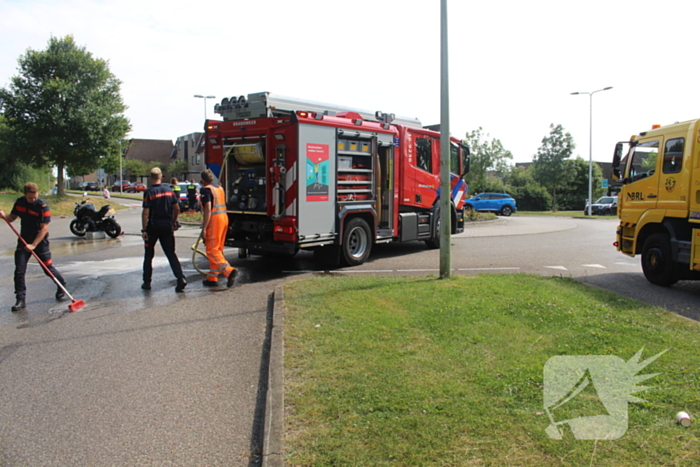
[192,197]
[175,186]
[214,227]
[35,216]
[159,222]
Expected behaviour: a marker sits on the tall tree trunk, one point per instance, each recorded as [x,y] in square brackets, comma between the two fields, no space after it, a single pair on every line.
[59,179]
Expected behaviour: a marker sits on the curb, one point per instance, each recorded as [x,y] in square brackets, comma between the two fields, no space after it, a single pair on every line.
[272,454]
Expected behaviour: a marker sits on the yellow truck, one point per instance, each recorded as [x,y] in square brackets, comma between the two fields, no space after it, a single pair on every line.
[659,204]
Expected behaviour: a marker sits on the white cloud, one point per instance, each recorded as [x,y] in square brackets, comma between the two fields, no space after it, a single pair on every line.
[513,64]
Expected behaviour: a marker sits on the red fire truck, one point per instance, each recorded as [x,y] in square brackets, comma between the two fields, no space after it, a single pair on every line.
[307,175]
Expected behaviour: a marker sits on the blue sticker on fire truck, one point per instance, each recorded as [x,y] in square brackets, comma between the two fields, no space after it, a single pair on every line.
[317,161]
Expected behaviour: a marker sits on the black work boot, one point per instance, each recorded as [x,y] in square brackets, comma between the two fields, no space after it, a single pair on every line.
[231,278]
[181,283]
[60,294]
[20,305]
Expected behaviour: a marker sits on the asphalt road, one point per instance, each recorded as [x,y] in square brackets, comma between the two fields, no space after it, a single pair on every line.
[141,378]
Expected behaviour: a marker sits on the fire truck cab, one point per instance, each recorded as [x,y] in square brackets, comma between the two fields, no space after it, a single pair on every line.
[307,175]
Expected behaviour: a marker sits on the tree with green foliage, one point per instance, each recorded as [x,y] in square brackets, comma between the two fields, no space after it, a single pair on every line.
[487,155]
[137,167]
[530,195]
[177,169]
[64,109]
[549,164]
[573,197]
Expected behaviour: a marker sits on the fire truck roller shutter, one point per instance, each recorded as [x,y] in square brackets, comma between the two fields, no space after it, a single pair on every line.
[248,153]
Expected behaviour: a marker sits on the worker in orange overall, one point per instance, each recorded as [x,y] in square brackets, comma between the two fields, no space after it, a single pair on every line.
[214,227]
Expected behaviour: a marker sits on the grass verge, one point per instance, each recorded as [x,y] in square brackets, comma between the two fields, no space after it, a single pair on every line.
[60,205]
[419,371]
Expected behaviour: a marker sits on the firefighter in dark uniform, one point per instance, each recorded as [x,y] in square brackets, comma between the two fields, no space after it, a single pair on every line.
[159,222]
[192,196]
[35,216]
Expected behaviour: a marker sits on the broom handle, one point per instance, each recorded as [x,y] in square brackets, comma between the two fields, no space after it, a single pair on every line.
[39,260]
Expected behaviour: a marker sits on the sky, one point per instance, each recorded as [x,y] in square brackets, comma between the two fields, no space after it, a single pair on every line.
[512,64]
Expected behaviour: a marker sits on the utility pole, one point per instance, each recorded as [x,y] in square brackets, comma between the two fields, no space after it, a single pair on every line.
[445,205]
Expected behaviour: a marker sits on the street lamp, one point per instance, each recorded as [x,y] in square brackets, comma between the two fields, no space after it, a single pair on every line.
[205,102]
[590,145]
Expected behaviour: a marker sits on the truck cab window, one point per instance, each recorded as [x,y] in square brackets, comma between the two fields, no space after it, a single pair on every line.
[644,160]
[424,154]
[673,155]
[454,159]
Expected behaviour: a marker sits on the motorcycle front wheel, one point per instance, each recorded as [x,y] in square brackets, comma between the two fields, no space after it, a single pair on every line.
[78,228]
[112,228]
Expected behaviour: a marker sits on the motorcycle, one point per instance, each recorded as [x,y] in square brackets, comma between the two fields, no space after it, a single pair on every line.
[89,219]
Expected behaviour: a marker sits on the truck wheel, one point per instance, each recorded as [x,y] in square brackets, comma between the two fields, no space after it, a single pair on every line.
[356,242]
[434,241]
[657,261]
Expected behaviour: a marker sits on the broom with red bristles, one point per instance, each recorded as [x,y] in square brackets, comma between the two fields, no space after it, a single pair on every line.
[75,304]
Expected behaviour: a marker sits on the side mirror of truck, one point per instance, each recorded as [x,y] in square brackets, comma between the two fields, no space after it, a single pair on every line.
[617,156]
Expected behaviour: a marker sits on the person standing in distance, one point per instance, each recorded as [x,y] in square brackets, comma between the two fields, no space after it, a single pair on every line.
[192,196]
[175,186]
[159,221]
[214,227]
[35,216]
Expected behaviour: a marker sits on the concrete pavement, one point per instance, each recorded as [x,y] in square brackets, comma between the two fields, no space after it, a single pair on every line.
[178,380]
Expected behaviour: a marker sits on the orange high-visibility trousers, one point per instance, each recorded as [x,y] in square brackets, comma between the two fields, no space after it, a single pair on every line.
[215,236]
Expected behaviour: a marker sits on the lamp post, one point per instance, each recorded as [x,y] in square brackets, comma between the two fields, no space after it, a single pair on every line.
[205,102]
[590,144]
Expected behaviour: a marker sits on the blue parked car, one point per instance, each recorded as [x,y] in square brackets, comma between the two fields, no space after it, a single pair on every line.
[500,203]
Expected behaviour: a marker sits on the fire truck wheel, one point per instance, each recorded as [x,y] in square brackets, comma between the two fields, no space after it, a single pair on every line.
[434,241]
[657,261]
[356,242]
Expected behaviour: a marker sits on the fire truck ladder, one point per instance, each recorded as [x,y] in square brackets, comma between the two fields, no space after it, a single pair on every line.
[267,104]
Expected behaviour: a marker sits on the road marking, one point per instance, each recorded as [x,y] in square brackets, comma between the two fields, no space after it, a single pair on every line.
[557,267]
[628,264]
[487,269]
[593,266]
[367,270]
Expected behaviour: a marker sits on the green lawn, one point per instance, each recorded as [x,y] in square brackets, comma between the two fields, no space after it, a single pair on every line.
[420,371]
[60,205]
